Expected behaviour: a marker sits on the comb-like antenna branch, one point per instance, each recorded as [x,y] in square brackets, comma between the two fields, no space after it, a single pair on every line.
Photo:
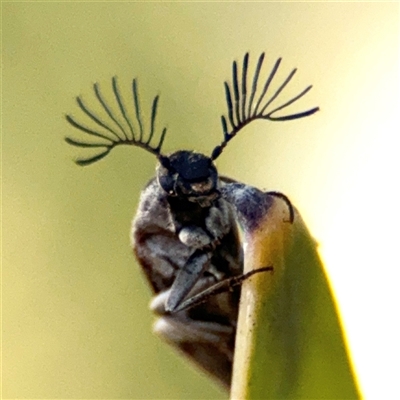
[87,161]
[291,101]
[236,91]
[245,113]
[121,106]
[160,143]
[267,83]
[229,103]
[137,108]
[244,85]
[78,143]
[302,114]
[284,84]
[94,118]
[255,80]
[153,118]
[85,129]
[108,110]
[113,139]
[224,127]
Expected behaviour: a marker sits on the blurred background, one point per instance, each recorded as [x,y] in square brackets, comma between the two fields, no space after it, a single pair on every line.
[75,317]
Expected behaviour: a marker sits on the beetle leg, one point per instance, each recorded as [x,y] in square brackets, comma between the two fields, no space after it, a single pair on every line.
[220,287]
[158,302]
[186,278]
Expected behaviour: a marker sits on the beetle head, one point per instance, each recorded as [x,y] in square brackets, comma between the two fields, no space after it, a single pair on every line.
[189,175]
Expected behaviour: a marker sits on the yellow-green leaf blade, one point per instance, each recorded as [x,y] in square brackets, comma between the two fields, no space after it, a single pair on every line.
[289,341]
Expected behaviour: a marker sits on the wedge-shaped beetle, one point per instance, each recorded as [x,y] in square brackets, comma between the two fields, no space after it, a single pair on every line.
[184,233]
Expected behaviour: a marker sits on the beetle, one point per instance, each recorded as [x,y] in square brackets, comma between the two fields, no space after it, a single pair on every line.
[185,234]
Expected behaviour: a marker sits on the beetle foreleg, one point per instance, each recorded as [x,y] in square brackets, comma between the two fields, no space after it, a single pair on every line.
[220,287]
[158,302]
[186,278]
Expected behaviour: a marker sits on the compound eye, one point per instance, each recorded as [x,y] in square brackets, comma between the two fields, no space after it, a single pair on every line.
[167,183]
[167,180]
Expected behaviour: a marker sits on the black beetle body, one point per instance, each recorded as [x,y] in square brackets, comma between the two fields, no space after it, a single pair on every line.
[185,233]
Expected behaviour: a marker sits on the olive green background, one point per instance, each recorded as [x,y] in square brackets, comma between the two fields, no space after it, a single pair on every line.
[75,319]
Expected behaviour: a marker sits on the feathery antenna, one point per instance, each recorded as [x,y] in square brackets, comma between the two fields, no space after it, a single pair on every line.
[241,112]
[113,132]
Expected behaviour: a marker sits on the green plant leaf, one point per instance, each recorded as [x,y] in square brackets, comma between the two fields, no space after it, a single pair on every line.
[289,342]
